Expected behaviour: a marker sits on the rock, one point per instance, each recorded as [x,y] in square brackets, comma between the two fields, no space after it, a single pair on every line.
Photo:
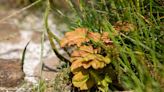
[49,69]
[36,37]
[17,31]
[9,33]
[11,74]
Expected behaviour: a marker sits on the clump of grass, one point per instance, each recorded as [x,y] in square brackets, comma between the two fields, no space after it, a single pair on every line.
[140,61]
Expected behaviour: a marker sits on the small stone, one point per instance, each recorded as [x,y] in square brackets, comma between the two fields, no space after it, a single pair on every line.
[11,73]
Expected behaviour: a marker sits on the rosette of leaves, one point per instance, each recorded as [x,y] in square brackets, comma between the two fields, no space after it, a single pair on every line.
[87,57]
[87,62]
[82,35]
